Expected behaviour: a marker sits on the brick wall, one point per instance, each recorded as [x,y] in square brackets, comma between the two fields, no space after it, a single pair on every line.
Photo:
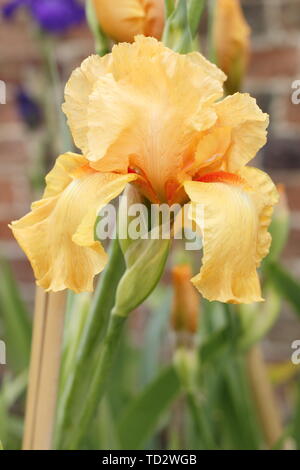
[274,66]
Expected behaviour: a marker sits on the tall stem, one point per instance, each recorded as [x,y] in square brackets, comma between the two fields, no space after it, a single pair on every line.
[201,428]
[78,385]
[98,385]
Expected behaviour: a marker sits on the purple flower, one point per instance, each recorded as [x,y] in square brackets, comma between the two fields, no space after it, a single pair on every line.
[29,109]
[53,16]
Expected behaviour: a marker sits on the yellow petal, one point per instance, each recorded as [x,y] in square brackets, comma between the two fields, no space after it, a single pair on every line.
[212,147]
[62,173]
[77,92]
[111,111]
[248,124]
[149,112]
[58,234]
[145,107]
[235,237]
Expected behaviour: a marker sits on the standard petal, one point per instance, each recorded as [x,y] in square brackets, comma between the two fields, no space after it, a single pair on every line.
[58,234]
[235,237]
[150,112]
[77,92]
[248,123]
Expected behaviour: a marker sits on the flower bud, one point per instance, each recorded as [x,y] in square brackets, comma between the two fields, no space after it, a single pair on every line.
[186,366]
[185,310]
[122,20]
[231,41]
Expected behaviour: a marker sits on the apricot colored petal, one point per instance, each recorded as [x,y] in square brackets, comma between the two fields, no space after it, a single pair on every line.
[235,237]
[248,124]
[77,92]
[58,234]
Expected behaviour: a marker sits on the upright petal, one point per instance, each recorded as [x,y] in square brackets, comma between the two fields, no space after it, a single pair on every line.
[237,214]
[58,234]
[248,123]
[151,110]
[77,93]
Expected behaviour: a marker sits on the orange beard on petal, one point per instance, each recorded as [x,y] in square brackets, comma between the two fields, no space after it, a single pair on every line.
[222,177]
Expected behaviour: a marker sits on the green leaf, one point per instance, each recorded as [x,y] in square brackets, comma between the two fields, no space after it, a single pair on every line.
[258,319]
[215,344]
[11,391]
[16,323]
[177,34]
[169,7]
[285,284]
[143,415]
[145,261]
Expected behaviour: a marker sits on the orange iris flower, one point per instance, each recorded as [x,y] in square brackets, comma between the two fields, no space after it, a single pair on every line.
[151,117]
[122,20]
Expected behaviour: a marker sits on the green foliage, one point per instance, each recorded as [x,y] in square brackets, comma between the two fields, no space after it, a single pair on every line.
[14,319]
[285,284]
[177,33]
[142,416]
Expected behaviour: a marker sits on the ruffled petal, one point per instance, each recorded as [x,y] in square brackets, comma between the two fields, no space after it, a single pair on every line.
[150,111]
[77,93]
[248,123]
[58,234]
[236,216]
[62,173]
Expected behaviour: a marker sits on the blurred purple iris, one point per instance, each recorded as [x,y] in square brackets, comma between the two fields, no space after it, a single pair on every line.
[29,109]
[53,16]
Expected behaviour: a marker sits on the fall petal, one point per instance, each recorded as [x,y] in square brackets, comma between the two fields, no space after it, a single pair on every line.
[235,238]
[58,234]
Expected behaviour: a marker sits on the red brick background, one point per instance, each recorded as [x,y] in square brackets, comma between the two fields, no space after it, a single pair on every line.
[274,66]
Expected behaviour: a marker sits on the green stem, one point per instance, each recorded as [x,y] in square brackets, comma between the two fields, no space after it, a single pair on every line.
[102,43]
[212,4]
[77,385]
[98,385]
[195,11]
[202,431]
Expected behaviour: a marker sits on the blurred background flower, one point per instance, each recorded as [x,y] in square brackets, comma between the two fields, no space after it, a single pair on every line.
[53,16]
[231,38]
[29,109]
[121,20]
